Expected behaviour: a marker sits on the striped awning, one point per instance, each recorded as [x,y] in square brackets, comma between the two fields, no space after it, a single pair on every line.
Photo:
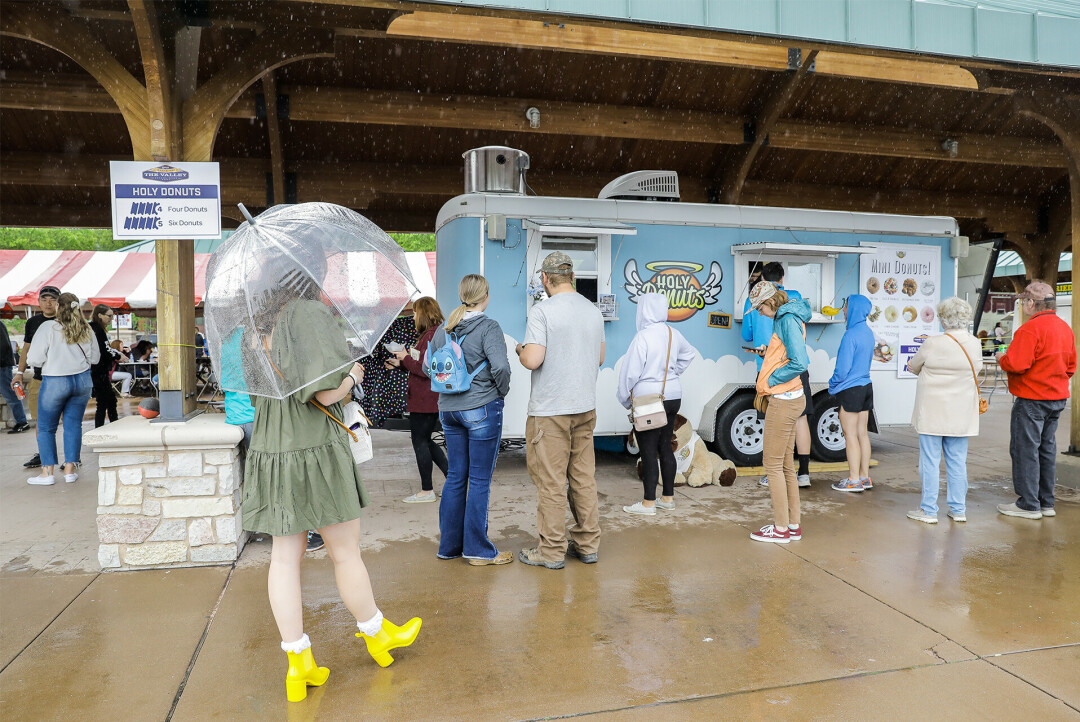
[126,281]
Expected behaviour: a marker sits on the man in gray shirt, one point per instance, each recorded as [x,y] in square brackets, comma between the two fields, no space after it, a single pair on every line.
[564,348]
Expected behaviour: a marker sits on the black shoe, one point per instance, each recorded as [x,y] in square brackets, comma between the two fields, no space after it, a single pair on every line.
[314,541]
[34,462]
[19,428]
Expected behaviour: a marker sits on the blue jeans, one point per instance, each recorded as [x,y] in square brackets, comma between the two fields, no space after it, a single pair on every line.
[8,393]
[956,482]
[472,447]
[65,396]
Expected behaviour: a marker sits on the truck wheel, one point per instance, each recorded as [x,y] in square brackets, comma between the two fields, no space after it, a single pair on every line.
[739,432]
[826,436]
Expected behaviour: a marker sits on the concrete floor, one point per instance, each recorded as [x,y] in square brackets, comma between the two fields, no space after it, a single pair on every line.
[871,616]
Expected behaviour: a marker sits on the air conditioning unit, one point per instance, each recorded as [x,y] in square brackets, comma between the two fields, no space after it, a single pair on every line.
[644,185]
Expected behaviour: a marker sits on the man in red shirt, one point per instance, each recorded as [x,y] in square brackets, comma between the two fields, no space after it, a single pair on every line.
[1040,360]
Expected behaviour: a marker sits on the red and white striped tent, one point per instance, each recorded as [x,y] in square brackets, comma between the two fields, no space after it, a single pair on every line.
[122,281]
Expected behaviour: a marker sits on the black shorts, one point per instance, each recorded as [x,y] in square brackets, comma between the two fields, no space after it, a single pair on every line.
[856,398]
[807,394]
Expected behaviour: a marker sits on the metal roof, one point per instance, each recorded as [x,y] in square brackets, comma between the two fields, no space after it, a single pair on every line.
[1042,32]
[1010,264]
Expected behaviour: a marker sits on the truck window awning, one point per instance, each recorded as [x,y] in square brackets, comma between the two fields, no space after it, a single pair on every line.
[580,226]
[798,249]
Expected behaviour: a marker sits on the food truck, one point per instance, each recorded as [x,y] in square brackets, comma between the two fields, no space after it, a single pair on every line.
[637,237]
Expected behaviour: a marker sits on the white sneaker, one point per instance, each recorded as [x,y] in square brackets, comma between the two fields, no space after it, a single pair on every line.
[957,517]
[70,478]
[42,480]
[920,515]
[1014,510]
[666,505]
[804,480]
[764,481]
[1048,511]
[640,508]
[420,498]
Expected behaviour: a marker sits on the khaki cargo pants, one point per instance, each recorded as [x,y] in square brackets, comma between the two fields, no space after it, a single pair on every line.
[562,464]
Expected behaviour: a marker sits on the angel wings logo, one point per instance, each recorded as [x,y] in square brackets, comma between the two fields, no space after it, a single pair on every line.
[677,280]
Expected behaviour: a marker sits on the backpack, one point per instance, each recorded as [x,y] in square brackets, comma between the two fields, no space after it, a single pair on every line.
[446,368]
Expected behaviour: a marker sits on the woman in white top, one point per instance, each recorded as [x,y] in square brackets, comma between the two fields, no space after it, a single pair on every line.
[64,350]
[946,409]
[657,357]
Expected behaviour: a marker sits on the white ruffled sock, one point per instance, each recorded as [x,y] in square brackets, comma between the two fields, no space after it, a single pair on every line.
[372,626]
[298,646]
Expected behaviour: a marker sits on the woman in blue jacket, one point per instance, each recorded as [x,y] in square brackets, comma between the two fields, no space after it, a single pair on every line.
[850,384]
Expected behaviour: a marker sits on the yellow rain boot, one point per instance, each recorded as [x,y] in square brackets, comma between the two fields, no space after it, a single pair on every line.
[303,673]
[390,637]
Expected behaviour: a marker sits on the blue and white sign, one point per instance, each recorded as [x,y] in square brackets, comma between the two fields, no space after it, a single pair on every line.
[165,200]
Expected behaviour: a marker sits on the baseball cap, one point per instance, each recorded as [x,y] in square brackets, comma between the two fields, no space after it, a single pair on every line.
[1037,291]
[49,291]
[555,262]
[761,292]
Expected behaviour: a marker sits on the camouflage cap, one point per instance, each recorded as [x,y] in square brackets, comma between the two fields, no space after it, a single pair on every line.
[761,292]
[1037,291]
[557,262]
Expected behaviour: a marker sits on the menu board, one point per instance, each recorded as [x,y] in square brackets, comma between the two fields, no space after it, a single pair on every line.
[911,340]
[903,284]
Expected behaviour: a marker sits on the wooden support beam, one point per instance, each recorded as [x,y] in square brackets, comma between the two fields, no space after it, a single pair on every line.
[186,60]
[52,27]
[176,327]
[165,135]
[345,105]
[273,129]
[582,38]
[731,180]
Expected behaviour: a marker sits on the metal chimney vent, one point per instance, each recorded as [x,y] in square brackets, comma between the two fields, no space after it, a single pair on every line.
[644,185]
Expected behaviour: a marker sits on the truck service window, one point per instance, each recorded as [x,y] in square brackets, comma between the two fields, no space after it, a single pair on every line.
[584,252]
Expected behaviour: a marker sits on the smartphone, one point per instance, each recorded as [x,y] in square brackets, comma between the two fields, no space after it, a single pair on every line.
[749,348]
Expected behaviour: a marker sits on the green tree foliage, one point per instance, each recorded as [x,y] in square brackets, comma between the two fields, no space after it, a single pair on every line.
[424,242]
[59,239]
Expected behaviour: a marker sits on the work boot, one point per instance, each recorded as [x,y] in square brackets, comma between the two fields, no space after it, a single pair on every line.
[390,637]
[533,559]
[303,673]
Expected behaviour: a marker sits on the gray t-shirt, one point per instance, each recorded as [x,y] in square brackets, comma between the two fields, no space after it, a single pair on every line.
[571,329]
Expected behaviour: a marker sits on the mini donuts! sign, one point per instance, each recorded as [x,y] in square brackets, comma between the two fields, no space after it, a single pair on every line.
[903,284]
[678,281]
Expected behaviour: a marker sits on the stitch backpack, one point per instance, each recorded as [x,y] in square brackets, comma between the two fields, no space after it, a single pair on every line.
[446,368]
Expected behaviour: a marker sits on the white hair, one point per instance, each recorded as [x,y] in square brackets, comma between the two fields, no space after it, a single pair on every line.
[954,313]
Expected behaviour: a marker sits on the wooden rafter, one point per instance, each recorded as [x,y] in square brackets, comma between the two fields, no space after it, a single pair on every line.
[165,134]
[344,105]
[273,129]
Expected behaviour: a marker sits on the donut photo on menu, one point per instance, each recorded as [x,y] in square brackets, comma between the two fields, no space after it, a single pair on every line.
[928,314]
[891,314]
[872,284]
[883,351]
[928,288]
[910,286]
[910,314]
[890,286]
[874,315]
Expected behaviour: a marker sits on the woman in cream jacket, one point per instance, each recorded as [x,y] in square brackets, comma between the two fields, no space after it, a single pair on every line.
[946,409]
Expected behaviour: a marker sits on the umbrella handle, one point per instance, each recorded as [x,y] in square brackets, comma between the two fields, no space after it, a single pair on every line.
[246,214]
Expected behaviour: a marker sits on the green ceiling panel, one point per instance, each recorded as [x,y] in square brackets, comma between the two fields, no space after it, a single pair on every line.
[818,20]
[884,23]
[1058,39]
[1009,33]
[763,17]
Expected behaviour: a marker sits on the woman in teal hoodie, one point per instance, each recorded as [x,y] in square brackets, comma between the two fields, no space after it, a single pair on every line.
[850,384]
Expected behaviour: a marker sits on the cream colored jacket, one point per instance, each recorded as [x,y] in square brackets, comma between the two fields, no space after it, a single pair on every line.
[946,399]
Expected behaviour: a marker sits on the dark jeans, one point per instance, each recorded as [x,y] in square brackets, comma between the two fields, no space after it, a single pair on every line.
[421,427]
[1034,450]
[655,444]
[105,395]
[17,410]
[472,445]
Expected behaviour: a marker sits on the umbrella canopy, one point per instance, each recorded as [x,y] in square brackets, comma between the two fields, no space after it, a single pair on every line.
[298,293]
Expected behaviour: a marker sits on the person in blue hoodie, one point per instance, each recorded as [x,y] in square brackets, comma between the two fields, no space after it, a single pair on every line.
[757,329]
[850,384]
[780,380]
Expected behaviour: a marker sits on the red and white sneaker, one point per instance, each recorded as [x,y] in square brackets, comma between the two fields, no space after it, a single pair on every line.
[768,533]
[794,532]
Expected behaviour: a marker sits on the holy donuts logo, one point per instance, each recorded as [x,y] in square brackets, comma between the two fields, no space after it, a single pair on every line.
[678,281]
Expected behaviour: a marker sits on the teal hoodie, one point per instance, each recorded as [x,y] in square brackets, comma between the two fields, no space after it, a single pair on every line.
[789,323]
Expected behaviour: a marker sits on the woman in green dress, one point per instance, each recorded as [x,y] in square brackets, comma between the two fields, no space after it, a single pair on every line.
[300,475]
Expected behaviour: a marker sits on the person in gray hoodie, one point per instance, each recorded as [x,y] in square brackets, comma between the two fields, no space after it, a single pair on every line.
[658,355]
[472,424]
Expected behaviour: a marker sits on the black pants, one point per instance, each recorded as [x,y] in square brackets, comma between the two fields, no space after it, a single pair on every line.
[1033,447]
[421,427]
[655,445]
[105,395]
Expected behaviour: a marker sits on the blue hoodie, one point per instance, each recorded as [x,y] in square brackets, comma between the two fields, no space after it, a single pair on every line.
[791,319]
[856,348]
[757,329]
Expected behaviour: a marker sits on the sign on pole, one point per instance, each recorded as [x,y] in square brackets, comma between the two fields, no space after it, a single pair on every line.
[165,200]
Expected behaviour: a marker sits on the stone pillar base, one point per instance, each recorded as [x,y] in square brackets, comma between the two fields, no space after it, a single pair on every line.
[168,494]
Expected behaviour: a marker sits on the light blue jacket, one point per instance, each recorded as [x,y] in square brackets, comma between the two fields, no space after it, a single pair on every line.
[757,329]
[789,323]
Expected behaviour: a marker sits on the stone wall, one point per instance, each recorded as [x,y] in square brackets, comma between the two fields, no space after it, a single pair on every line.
[168,494]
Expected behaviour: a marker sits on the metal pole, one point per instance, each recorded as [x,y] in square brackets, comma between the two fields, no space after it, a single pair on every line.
[988,277]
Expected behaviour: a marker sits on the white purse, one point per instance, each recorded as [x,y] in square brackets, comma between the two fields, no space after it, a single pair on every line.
[357,426]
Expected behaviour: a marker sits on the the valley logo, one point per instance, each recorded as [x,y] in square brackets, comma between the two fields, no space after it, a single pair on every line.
[677,280]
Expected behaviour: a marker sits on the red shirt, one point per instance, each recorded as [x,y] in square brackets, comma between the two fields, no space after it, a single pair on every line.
[1041,358]
[420,398]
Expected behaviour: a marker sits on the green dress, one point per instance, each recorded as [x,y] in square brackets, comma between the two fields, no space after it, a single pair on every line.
[299,473]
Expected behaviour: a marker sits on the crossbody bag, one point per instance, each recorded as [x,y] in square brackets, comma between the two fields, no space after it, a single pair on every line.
[648,412]
[984,404]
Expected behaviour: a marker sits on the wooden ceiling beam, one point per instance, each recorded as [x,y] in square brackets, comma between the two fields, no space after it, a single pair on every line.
[344,105]
[273,129]
[158,75]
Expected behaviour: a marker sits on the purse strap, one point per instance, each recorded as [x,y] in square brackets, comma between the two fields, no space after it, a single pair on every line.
[667,360]
[973,376]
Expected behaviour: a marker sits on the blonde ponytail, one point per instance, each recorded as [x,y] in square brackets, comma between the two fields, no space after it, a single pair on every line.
[472,291]
[69,315]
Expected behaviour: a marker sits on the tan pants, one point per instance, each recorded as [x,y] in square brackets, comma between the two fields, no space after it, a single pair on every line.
[779,458]
[560,450]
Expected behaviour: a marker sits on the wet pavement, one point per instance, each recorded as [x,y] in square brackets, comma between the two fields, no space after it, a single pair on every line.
[871,615]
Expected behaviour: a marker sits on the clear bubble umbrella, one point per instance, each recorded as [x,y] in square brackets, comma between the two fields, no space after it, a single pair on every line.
[299,292]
